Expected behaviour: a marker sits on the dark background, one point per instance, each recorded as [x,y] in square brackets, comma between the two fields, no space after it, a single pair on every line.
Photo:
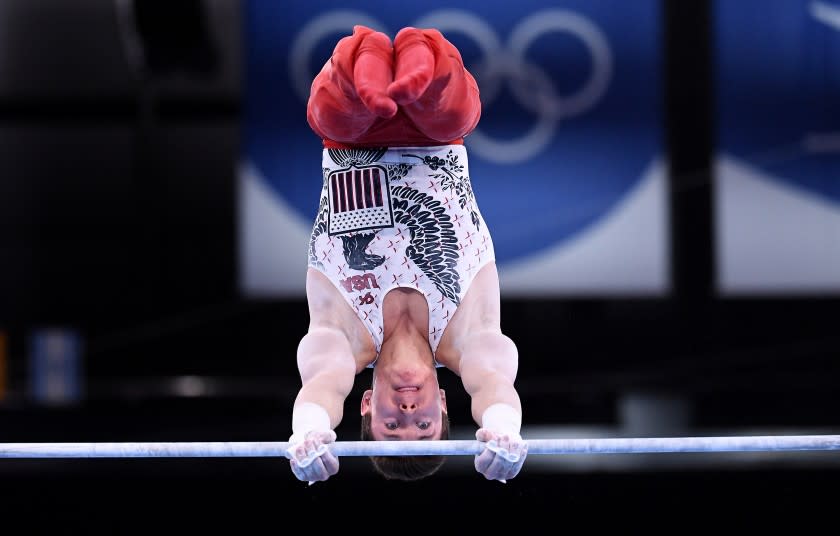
[118,218]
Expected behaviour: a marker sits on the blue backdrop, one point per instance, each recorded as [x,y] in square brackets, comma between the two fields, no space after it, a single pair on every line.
[778,83]
[570,92]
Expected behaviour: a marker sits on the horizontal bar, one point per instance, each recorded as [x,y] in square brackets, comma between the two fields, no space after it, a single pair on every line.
[422,448]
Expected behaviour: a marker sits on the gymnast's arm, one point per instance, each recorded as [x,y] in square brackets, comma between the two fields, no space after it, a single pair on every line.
[327,371]
[489,363]
[476,349]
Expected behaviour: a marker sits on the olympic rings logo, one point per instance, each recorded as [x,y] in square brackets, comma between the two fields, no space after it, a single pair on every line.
[529,83]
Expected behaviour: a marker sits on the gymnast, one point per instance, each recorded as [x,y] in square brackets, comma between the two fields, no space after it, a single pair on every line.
[401,273]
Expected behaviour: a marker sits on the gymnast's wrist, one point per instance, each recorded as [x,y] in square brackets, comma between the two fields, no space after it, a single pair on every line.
[502,419]
[308,417]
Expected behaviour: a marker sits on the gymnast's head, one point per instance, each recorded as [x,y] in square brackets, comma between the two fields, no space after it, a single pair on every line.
[405,402]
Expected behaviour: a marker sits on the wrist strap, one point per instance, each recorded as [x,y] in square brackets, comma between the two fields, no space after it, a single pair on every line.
[502,419]
[308,417]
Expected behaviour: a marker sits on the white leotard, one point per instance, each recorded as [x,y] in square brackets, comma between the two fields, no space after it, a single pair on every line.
[399,217]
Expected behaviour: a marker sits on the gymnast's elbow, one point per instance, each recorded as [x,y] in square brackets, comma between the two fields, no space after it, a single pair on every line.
[325,348]
[489,352]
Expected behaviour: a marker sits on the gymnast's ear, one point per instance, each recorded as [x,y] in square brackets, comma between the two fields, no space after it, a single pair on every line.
[443,401]
[366,396]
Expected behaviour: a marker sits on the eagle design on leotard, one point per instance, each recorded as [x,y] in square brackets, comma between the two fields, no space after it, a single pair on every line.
[356,157]
[320,225]
[354,251]
[433,244]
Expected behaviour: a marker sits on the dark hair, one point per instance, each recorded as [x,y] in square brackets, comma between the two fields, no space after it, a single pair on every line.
[406,467]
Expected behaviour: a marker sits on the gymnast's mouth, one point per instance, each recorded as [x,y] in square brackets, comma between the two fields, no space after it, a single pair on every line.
[408,388]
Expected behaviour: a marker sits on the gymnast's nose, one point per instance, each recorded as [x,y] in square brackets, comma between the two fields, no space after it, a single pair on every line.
[408,407]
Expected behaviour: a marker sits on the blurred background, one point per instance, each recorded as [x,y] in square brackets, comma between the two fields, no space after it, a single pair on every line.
[662,180]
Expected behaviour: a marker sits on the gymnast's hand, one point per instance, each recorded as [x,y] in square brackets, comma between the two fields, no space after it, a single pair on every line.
[374,92]
[311,459]
[502,457]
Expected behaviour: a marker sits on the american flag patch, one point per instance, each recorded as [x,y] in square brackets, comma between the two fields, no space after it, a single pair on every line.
[359,199]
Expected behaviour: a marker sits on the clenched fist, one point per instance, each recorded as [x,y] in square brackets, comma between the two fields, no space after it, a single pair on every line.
[414,91]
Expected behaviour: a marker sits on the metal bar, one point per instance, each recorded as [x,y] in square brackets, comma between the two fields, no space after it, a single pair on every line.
[422,448]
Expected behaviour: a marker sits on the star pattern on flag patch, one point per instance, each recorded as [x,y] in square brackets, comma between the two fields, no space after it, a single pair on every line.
[359,199]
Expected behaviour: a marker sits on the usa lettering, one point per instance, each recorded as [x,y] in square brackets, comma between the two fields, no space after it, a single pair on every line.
[359,282]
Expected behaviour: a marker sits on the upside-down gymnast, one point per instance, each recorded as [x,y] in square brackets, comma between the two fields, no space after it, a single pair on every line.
[402,275]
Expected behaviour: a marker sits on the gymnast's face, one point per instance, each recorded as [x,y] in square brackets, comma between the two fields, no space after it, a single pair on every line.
[404,412]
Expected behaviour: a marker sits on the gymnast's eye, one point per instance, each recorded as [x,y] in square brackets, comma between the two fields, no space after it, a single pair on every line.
[424,425]
[391,425]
